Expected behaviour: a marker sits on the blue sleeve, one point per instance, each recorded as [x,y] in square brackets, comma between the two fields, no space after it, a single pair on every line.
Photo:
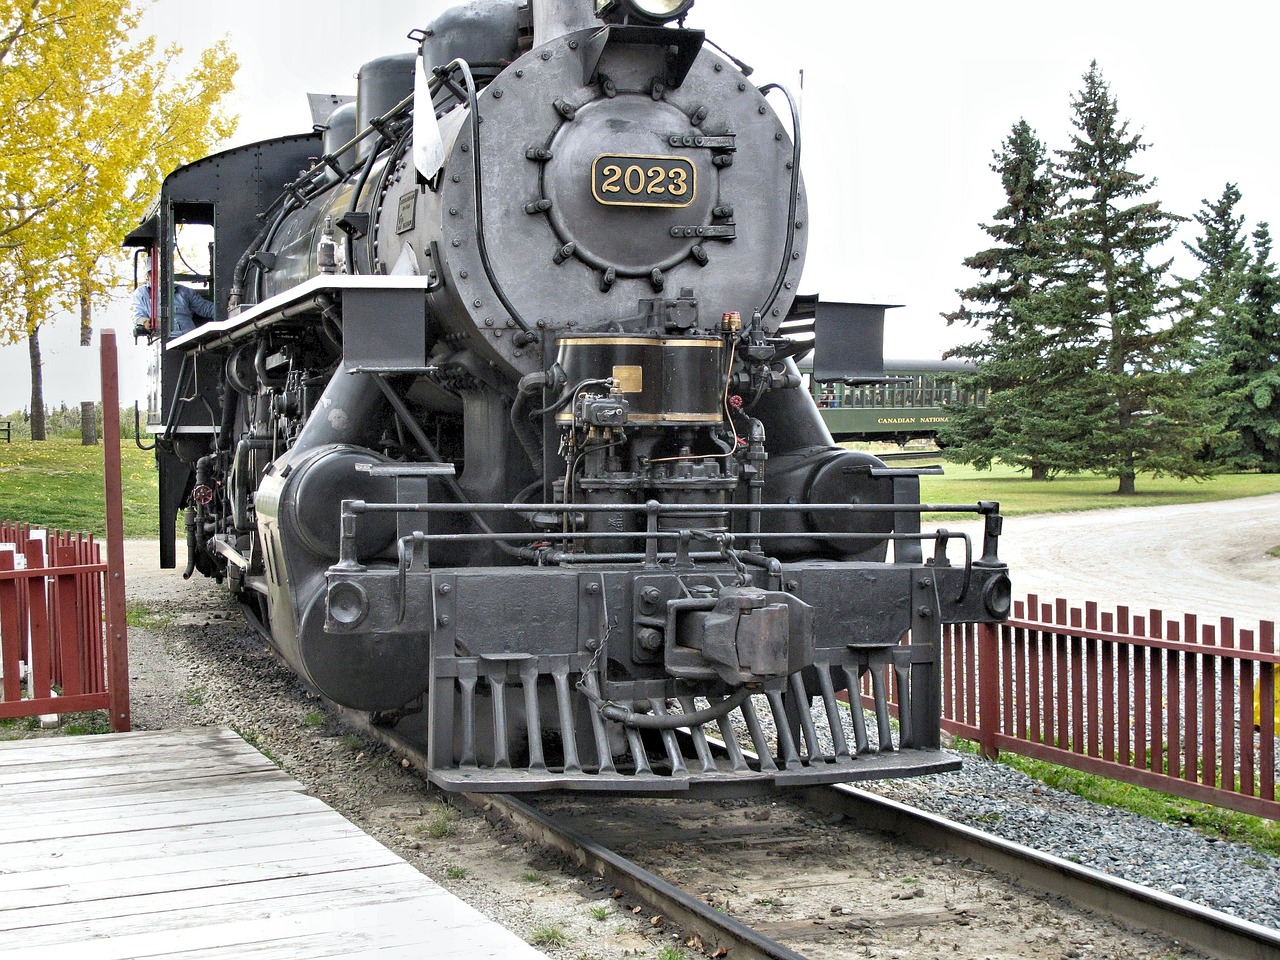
[142,303]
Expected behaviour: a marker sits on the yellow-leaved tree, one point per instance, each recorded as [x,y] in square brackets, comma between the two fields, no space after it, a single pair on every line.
[95,117]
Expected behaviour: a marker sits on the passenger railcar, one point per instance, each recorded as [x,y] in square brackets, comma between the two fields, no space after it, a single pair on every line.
[913,401]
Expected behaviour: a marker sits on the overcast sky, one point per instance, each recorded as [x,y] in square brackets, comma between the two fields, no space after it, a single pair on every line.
[903,105]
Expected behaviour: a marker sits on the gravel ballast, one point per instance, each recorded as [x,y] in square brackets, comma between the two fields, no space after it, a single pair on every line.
[996,798]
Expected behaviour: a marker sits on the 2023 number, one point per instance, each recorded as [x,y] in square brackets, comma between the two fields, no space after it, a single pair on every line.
[637,181]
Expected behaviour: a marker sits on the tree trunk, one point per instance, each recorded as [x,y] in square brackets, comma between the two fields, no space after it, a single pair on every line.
[1127,484]
[1039,472]
[86,322]
[37,386]
[88,424]
[88,418]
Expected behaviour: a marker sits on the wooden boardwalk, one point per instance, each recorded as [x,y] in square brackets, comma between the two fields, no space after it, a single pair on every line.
[191,844]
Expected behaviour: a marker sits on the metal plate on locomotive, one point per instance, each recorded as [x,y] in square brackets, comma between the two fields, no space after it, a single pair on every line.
[635,180]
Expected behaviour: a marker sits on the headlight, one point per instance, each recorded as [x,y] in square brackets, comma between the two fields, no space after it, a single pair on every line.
[645,11]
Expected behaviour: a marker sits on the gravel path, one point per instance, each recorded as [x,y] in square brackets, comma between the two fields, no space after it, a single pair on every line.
[196,663]
[1209,559]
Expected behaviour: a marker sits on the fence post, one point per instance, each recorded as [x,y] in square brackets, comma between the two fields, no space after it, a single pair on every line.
[117,631]
[989,688]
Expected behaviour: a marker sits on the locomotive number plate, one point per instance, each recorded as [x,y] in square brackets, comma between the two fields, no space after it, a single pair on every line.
[630,180]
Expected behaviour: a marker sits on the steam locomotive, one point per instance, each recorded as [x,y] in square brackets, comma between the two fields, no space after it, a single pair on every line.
[497,431]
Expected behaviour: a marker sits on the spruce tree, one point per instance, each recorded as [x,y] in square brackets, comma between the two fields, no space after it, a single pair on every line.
[1222,253]
[1215,300]
[1135,401]
[1010,359]
[1246,371]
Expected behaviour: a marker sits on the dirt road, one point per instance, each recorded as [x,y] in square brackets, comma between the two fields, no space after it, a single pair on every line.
[1209,559]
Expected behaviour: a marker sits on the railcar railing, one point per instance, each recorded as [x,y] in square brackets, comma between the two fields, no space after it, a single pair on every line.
[1172,704]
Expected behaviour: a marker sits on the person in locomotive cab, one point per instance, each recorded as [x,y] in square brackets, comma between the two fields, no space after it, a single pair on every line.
[187,305]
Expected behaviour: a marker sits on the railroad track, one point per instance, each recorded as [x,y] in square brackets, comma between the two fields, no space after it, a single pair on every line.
[573,827]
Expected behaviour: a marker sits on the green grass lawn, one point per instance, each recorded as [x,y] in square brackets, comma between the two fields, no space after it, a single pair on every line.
[58,483]
[1017,493]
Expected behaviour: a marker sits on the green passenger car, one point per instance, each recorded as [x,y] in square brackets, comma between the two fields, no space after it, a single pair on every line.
[911,404]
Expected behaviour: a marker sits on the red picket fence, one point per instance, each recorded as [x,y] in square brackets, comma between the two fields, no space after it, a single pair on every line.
[1168,704]
[62,612]
[51,621]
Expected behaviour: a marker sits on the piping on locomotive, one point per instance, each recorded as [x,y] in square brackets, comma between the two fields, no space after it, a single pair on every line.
[498,434]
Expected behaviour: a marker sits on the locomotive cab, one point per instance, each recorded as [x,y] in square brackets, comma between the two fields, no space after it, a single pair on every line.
[498,431]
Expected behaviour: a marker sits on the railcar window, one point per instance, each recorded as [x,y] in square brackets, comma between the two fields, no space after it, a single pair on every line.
[920,390]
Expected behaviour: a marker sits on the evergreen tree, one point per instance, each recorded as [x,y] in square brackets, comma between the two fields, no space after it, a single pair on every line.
[1135,401]
[1223,254]
[1215,299]
[1011,364]
[1246,374]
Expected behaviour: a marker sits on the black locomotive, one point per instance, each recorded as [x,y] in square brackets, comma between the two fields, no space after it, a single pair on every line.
[497,432]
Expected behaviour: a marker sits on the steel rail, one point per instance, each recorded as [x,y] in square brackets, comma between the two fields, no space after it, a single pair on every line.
[716,929]
[1215,933]
[688,912]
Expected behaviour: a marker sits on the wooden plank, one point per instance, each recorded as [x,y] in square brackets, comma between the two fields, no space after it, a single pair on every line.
[167,875]
[148,861]
[51,763]
[1209,715]
[179,736]
[93,765]
[139,769]
[12,642]
[1267,714]
[11,767]
[392,883]
[59,749]
[68,789]
[67,608]
[315,946]
[1227,718]
[188,816]
[387,931]
[1247,786]
[38,620]
[19,807]
[126,782]
[76,703]
[115,848]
